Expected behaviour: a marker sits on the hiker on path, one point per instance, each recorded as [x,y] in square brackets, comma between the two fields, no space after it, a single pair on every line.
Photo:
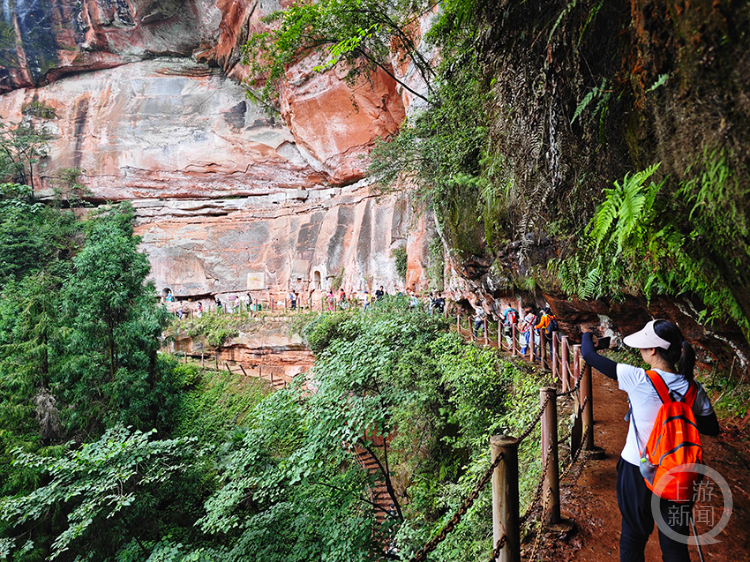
[671,359]
[548,323]
[510,315]
[479,316]
[527,328]
[413,300]
[367,300]
[439,304]
[509,318]
[380,293]
[293,300]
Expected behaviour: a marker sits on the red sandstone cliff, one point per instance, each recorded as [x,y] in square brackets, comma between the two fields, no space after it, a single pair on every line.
[146,98]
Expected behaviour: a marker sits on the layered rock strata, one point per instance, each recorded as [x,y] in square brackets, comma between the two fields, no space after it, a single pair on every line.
[297,240]
[268,348]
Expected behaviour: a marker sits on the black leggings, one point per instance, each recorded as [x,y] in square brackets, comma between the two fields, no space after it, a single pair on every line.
[634,499]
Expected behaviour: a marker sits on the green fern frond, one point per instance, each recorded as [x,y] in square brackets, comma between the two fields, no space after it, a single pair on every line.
[565,12]
[592,284]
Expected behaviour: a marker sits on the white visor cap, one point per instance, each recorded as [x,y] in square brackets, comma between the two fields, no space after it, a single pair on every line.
[646,338]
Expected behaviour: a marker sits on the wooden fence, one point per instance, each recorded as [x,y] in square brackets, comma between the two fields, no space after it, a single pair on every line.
[574,379]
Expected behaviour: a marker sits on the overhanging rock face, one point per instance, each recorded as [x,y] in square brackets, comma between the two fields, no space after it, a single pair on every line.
[146,100]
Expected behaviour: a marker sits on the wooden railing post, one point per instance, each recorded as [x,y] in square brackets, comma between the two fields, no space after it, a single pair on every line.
[202,361]
[514,333]
[577,363]
[578,396]
[543,350]
[486,334]
[227,366]
[565,364]
[532,344]
[458,323]
[243,370]
[505,518]
[500,334]
[216,360]
[551,490]
[587,394]
[555,357]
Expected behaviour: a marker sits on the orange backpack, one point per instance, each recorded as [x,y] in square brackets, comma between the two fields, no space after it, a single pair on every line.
[674,441]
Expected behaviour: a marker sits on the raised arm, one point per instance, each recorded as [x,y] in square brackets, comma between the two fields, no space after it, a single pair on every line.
[605,366]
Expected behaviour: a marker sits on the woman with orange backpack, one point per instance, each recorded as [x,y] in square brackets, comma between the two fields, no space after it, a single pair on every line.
[667,384]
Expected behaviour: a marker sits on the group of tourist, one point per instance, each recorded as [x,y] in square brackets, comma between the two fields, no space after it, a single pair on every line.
[531,323]
[434,302]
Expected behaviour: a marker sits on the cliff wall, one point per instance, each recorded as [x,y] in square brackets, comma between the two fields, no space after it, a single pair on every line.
[145,99]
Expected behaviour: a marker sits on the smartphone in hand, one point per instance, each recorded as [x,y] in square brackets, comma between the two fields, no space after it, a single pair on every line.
[603,343]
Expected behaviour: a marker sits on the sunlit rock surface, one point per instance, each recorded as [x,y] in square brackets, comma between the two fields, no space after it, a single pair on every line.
[298,241]
[146,99]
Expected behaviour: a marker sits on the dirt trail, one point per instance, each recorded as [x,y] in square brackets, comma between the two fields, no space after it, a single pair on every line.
[592,502]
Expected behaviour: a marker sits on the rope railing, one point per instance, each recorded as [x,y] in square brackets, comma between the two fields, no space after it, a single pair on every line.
[535,421]
[421,555]
[575,373]
[537,493]
[574,456]
[498,547]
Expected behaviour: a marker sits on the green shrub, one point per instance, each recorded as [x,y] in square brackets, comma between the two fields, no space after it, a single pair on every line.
[187,375]
[400,256]
[320,331]
[216,328]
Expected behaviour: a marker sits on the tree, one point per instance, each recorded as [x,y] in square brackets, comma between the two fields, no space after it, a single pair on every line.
[112,368]
[21,148]
[107,489]
[32,236]
[359,34]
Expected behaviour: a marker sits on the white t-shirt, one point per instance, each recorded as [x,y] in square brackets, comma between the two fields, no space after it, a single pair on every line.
[646,403]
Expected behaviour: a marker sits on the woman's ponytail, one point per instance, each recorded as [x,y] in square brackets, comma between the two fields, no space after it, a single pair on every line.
[686,363]
[680,353]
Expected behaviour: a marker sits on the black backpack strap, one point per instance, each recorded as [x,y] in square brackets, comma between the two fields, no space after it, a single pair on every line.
[631,417]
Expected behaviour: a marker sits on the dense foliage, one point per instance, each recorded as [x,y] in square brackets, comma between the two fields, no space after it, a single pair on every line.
[534,110]
[634,247]
[78,348]
[232,477]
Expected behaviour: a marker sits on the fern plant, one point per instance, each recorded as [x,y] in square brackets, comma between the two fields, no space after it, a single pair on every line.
[625,207]
[621,221]
[646,241]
